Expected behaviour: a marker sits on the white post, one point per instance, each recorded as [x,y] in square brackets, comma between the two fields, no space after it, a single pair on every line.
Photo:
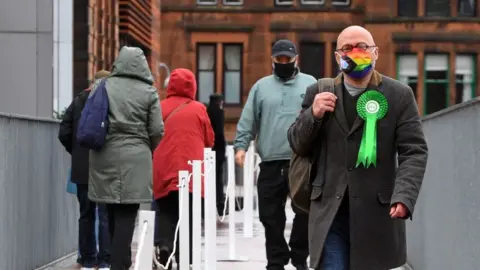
[231,191]
[146,222]
[248,192]
[210,211]
[184,210]
[256,175]
[231,201]
[197,215]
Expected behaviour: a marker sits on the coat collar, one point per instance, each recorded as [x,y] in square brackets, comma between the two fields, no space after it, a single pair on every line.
[374,84]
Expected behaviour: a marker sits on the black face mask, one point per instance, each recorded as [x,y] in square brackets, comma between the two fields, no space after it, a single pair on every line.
[284,71]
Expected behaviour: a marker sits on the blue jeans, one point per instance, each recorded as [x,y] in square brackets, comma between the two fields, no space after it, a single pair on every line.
[87,240]
[336,250]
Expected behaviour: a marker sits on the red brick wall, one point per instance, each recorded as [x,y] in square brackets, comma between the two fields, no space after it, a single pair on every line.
[258,23]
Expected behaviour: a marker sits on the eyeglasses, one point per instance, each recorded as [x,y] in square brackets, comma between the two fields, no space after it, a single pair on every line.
[348,47]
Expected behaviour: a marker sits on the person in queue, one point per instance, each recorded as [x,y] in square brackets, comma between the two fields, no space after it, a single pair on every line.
[121,172]
[272,106]
[360,197]
[187,132]
[89,256]
[217,119]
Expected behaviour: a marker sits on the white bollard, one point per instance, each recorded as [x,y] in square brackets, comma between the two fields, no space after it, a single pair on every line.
[184,210]
[197,215]
[231,201]
[248,192]
[146,224]
[231,191]
[257,174]
[210,211]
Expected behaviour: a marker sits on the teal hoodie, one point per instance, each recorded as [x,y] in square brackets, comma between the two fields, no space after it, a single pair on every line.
[272,106]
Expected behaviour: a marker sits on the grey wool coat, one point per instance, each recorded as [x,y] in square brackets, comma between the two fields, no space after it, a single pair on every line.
[121,172]
[377,242]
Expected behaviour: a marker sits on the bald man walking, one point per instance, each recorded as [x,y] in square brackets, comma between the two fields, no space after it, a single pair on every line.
[360,196]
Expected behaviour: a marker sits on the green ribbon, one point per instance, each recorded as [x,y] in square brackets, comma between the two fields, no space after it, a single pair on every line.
[371,107]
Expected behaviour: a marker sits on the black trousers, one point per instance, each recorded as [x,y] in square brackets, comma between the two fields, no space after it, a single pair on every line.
[89,257]
[121,224]
[166,219]
[220,160]
[273,190]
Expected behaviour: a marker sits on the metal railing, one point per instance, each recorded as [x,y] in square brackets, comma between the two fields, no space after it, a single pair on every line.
[38,218]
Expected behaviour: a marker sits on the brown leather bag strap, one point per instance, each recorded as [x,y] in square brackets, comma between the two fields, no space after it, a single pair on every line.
[176,110]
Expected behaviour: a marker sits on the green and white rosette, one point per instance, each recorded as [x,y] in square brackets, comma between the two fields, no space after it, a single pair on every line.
[371,107]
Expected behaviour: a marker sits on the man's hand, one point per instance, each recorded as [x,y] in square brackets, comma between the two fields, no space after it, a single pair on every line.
[323,102]
[399,210]
[240,157]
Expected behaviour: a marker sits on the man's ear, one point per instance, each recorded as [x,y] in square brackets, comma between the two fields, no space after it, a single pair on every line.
[337,58]
[375,54]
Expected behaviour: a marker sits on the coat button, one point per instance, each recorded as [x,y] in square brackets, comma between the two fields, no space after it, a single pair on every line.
[338,196]
[350,168]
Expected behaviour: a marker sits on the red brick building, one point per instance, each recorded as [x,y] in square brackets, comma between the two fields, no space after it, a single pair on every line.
[430,44]
[102,27]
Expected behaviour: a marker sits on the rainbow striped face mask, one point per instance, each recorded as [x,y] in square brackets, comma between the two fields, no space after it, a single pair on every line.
[356,64]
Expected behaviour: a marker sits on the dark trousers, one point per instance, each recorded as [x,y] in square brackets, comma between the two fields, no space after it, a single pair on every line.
[219,184]
[273,190]
[89,257]
[166,219]
[336,250]
[121,224]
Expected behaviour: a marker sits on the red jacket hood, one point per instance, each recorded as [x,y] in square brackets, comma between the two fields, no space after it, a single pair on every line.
[182,84]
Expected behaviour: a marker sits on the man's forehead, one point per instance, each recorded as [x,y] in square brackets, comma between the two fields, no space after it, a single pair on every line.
[355,35]
[283,58]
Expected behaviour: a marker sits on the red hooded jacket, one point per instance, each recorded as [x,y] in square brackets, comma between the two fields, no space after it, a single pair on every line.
[187,132]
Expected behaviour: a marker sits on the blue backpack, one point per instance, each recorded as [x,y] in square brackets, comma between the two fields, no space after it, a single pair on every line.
[93,125]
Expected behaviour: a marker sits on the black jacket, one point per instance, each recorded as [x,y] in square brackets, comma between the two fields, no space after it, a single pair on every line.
[67,136]
[218,123]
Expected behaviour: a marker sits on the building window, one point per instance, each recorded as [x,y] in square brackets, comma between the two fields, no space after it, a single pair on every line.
[466,8]
[232,73]
[283,2]
[312,2]
[232,2]
[341,2]
[436,83]
[407,71]
[407,8]
[335,67]
[465,82]
[439,8]
[311,54]
[206,59]
[206,2]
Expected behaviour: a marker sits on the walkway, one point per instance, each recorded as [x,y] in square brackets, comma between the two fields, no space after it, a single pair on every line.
[251,248]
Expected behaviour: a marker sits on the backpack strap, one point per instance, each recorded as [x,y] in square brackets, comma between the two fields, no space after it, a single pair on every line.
[326,85]
[176,110]
[320,157]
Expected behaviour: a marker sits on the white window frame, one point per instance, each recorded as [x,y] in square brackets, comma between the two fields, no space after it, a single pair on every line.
[410,67]
[207,2]
[436,62]
[341,3]
[278,3]
[465,65]
[239,71]
[238,3]
[312,2]
[210,71]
